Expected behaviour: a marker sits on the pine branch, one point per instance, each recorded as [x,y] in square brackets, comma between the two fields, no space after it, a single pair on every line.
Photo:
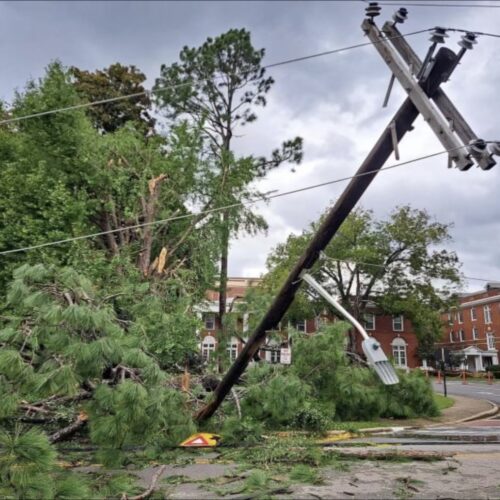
[151,488]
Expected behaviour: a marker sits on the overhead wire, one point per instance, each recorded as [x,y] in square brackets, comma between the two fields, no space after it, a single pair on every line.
[382,266]
[226,207]
[426,4]
[184,84]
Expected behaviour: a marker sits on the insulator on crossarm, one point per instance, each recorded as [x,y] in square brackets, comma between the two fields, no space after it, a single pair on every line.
[478,149]
[373,10]
[495,148]
[468,41]
[400,16]
[438,35]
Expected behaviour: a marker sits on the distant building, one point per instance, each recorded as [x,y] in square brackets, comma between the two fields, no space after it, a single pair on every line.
[395,333]
[471,330]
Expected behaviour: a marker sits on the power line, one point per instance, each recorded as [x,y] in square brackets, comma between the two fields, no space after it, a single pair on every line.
[219,209]
[479,33]
[425,4]
[384,266]
[184,84]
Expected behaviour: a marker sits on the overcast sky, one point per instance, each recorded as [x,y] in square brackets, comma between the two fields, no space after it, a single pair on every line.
[333,102]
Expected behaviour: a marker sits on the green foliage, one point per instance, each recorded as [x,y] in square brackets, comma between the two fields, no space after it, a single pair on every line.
[321,385]
[114,81]
[63,341]
[26,460]
[494,369]
[305,474]
[312,418]
[130,414]
[396,260]
[412,397]
[236,431]
[277,402]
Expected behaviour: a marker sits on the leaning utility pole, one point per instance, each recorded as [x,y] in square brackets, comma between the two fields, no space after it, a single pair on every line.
[420,92]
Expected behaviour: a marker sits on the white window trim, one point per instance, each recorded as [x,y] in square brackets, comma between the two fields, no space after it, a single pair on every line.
[452,337]
[207,347]
[373,327]
[402,329]
[301,325]
[460,317]
[232,349]
[473,315]
[209,318]
[400,352]
[461,335]
[490,339]
[487,315]
[475,333]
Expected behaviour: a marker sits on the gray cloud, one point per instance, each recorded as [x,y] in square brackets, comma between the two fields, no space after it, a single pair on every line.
[334,102]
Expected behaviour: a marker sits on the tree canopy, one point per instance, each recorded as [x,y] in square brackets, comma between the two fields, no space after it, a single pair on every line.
[397,265]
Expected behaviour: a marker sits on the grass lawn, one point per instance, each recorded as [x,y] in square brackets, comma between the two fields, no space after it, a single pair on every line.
[443,402]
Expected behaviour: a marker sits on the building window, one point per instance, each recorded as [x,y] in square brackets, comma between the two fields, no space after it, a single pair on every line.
[369,321]
[209,321]
[232,349]
[452,337]
[207,347]
[487,314]
[301,326]
[450,321]
[473,315]
[491,341]
[475,334]
[461,336]
[460,317]
[275,356]
[398,323]
[399,352]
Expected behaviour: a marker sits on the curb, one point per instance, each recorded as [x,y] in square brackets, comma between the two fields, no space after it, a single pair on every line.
[478,416]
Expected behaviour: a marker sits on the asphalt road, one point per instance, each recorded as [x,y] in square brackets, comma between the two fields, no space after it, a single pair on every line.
[472,390]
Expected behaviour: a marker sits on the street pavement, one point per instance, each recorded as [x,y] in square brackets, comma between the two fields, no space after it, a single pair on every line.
[476,390]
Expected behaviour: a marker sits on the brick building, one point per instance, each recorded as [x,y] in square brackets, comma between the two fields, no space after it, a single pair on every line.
[472,328]
[395,333]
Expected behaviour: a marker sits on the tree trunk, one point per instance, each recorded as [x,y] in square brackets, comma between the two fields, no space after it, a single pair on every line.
[221,334]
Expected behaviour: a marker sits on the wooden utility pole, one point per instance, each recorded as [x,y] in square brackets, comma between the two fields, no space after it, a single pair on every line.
[417,102]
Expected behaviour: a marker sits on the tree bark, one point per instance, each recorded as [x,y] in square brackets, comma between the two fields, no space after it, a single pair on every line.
[68,431]
[150,209]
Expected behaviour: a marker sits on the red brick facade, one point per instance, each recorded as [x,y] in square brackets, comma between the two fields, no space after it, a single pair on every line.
[472,330]
[396,335]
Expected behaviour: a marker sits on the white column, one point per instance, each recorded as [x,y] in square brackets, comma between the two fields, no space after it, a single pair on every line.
[479,363]
[245,322]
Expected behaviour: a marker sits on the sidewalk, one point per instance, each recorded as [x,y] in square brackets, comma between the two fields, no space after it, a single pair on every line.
[466,409]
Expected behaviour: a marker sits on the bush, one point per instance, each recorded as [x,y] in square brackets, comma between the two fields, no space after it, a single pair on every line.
[495,370]
[311,419]
[277,400]
[412,397]
[237,432]
[359,394]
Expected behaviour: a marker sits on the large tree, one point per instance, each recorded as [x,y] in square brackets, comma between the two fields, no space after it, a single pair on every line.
[62,178]
[399,264]
[219,86]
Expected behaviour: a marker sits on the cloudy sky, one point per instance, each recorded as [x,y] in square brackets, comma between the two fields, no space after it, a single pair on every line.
[333,102]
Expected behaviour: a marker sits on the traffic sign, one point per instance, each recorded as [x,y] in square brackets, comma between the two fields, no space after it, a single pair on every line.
[201,440]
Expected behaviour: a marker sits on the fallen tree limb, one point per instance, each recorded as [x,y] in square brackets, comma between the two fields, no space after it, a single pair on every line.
[68,431]
[151,488]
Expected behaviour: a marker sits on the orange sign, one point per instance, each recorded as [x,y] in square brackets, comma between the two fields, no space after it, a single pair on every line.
[201,440]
